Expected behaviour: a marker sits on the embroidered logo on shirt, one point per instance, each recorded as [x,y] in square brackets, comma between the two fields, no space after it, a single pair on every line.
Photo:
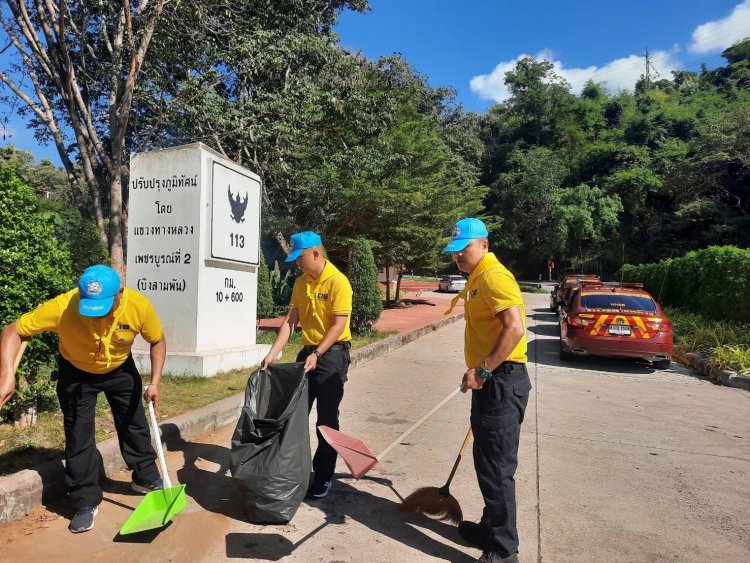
[322,297]
[473,293]
[122,338]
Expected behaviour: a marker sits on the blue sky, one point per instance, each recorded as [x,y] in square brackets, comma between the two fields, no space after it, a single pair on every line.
[470,44]
[460,43]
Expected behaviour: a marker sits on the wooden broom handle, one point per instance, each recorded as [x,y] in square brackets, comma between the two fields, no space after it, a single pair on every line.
[460,455]
[416,425]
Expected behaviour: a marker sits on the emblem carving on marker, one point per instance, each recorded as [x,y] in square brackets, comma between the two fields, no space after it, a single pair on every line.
[238,206]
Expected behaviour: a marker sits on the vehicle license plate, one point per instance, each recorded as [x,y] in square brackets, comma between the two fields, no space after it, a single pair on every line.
[619,330]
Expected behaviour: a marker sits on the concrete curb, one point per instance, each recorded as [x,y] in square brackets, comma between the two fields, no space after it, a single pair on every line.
[715,374]
[27,489]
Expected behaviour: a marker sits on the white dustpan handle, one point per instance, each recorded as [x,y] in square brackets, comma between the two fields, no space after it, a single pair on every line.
[159,450]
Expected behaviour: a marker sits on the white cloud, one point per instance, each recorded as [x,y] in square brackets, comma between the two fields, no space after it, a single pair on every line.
[492,86]
[615,75]
[720,34]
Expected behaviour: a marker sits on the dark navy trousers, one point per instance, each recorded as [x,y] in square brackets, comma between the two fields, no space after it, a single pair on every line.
[497,411]
[77,392]
[326,387]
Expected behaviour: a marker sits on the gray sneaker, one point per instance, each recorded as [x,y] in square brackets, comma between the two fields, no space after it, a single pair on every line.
[83,520]
[319,490]
[148,488]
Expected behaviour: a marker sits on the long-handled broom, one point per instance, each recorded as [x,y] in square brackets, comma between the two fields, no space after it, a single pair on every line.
[438,501]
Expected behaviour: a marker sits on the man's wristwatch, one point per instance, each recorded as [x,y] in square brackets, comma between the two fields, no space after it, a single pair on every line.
[318,354]
[483,372]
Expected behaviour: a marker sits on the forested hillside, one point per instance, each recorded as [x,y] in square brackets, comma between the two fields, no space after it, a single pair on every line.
[595,178]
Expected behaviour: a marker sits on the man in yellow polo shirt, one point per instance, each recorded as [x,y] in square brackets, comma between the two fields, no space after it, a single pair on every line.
[322,305]
[495,353]
[96,324]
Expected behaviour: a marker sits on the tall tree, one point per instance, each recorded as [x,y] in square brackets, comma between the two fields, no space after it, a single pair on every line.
[75,73]
[540,101]
[398,180]
[526,199]
[84,69]
[255,81]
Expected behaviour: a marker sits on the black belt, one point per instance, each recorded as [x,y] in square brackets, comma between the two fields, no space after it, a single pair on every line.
[507,367]
[336,346]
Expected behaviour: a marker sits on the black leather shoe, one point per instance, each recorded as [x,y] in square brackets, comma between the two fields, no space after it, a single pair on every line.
[148,487]
[492,557]
[475,534]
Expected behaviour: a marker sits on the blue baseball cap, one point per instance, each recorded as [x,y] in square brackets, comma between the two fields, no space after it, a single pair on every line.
[97,288]
[300,241]
[464,232]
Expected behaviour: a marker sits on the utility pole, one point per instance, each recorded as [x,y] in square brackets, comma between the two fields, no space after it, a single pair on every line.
[649,67]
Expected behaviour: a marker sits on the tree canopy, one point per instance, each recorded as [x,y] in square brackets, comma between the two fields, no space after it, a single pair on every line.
[588,178]
[354,147]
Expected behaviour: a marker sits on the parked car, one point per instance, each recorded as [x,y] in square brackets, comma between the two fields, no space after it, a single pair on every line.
[560,294]
[620,320]
[452,283]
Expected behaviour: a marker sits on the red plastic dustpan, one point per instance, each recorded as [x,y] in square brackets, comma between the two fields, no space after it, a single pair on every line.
[357,456]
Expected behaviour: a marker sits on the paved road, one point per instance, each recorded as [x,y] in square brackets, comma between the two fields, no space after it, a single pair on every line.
[618,462]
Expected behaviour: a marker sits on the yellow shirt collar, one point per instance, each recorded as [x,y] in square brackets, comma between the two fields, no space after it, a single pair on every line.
[487,263]
[328,271]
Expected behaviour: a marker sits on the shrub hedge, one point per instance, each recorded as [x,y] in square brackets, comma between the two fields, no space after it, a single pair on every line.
[714,282]
[33,268]
[363,275]
[266,306]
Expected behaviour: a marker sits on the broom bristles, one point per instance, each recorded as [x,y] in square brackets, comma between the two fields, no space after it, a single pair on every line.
[435,502]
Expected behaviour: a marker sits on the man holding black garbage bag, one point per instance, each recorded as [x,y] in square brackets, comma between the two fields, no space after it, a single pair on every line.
[321,305]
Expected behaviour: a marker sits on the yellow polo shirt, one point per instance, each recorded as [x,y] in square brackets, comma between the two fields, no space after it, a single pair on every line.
[82,337]
[319,301]
[491,288]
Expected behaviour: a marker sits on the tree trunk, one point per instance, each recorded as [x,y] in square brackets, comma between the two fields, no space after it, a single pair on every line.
[398,286]
[387,284]
[24,416]
[125,234]
[116,249]
[279,236]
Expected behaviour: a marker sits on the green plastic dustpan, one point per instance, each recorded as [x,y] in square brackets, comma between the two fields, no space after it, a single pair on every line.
[158,507]
[155,510]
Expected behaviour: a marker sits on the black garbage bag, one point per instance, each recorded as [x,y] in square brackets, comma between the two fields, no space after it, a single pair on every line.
[270,459]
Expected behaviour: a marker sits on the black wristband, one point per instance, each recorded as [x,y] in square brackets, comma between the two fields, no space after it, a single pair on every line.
[318,354]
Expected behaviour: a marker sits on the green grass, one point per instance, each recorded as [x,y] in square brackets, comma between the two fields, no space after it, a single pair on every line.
[725,342]
[22,448]
[529,288]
